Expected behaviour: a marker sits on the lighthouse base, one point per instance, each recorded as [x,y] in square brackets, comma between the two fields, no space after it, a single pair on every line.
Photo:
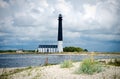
[60,46]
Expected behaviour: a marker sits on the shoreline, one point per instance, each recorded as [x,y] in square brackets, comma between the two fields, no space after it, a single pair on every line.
[100,60]
[56,72]
[45,56]
[88,53]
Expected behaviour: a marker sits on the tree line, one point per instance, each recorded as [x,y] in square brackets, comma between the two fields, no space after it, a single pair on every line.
[4,51]
[74,49]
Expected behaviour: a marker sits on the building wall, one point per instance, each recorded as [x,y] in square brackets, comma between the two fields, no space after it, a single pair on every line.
[47,50]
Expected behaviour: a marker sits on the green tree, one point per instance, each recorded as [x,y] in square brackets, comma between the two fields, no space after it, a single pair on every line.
[72,49]
[85,50]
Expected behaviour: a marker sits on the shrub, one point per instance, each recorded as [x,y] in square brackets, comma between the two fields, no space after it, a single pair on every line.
[116,62]
[66,64]
[89,66]
[72,49]
[85,50]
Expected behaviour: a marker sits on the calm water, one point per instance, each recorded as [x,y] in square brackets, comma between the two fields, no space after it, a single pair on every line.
[23,60]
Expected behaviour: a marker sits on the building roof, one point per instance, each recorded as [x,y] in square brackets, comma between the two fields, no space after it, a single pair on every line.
[48,46]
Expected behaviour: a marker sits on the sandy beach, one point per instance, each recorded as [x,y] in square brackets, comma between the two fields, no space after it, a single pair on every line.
[56,72]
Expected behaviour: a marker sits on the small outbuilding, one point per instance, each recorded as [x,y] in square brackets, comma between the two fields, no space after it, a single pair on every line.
[19,51]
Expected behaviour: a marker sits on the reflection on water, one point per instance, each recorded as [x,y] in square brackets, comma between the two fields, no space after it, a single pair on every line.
[23,60]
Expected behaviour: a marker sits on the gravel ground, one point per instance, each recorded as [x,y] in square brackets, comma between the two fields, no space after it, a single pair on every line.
[55,72]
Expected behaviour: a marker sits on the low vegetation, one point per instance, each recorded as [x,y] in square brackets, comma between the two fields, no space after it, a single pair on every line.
[4,51]
[66,64]
[74,49]
[89,66]
[5,75]
[115,62]
[14,51]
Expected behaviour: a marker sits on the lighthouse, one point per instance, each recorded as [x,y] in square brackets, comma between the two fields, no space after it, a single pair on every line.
[54,48]
[60,35]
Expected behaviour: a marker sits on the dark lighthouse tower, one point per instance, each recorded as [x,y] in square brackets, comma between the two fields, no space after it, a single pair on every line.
[60,36]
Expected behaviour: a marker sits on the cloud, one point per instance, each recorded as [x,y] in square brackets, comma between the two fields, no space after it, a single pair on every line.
[107,13]
[89,12]
[3,4]
[36,20]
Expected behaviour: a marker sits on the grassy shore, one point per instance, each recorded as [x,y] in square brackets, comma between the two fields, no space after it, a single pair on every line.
[66,53]
[56,72]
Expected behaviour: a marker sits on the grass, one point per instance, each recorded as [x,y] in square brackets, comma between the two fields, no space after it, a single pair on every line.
[115,62]
[89,66]
[37,76]
[5,75]
[66,64]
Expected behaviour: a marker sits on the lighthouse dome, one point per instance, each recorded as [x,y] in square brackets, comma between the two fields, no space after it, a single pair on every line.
[60,15]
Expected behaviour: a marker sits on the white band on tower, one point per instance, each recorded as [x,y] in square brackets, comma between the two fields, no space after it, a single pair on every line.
[60,46]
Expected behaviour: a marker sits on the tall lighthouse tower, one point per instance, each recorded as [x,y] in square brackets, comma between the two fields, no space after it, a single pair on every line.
[60,36]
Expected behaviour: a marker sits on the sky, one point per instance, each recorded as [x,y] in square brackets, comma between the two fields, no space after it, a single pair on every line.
[89,24]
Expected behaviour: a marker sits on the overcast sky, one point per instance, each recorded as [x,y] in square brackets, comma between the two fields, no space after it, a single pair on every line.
[89,24]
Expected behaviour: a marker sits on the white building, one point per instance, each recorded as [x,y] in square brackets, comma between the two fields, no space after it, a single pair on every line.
[47,48]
